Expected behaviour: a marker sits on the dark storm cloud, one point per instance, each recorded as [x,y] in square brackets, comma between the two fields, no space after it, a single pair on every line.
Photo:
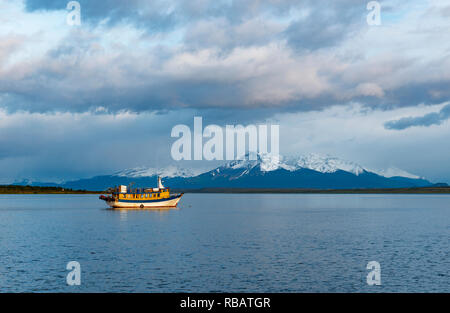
[153,15]
[326,24]
[160,15]
[70,145]
[429,93]
[435,118]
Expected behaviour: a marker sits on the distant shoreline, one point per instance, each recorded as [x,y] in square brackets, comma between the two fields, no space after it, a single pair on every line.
[16,189]
[417,190]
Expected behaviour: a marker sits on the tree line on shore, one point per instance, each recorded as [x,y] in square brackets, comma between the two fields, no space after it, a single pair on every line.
[17,189]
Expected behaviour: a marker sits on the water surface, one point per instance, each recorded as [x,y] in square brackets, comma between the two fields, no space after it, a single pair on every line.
[227,243]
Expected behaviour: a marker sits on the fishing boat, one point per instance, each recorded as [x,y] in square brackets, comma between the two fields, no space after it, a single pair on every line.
[123,197]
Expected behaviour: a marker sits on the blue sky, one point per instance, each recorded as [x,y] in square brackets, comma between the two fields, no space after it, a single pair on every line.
[71,97]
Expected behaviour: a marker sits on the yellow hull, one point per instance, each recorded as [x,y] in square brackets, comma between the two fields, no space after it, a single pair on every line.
[169,203]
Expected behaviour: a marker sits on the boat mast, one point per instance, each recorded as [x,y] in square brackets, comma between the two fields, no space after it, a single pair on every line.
[160,185]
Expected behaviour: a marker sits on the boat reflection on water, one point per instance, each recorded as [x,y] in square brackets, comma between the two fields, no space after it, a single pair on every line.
[124,213]
[152,209]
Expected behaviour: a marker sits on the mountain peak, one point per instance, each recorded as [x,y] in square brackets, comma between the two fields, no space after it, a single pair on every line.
[268,162]
[327,164]
[169,171]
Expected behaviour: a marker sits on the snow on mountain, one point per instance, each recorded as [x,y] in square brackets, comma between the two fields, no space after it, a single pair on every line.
[327,164]
[268,162]
[169,171]
[312,161]
[393,172]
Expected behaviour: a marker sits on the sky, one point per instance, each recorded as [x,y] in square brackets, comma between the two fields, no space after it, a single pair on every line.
[84,100]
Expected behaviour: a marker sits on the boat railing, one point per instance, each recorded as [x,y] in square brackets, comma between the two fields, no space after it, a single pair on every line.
[116,191]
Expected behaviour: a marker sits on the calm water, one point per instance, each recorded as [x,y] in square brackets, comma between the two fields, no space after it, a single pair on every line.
[232,243]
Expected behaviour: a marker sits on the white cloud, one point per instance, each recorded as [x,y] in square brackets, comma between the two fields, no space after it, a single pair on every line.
[48,65]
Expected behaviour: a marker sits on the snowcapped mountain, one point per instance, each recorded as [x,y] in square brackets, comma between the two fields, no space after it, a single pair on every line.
[312,161]
[311,171]
[169,171]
